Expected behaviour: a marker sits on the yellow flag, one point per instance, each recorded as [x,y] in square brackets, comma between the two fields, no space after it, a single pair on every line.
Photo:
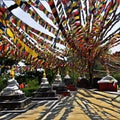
[12,73]
[18,2]
[64,22]
[110,11]
[10,33]
[69,10]
[76,17]
[1,31]
[74,4]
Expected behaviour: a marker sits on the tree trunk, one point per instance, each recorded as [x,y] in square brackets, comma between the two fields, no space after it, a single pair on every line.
[90,70]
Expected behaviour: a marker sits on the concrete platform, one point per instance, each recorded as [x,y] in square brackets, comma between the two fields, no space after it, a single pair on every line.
[85,104]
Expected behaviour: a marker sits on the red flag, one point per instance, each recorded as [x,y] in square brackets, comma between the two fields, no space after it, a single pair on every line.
[42,7]
[76,12]
[1,47]
[119,1]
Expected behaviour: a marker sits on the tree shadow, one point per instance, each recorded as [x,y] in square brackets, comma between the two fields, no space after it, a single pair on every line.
[92,100]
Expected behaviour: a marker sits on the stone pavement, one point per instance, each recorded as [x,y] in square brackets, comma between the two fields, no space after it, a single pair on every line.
[85,104]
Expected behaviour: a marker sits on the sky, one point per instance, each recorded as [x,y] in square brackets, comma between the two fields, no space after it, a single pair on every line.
[29,21]
[18,12]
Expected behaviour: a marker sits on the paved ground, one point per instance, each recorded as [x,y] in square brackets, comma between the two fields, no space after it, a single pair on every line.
[82,105]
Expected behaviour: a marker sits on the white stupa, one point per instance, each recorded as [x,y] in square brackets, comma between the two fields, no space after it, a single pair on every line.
[107,79]
[12,88]
[44,79]
[58,77]
[67,76]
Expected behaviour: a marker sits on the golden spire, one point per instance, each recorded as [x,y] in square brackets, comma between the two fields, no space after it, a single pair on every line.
[12,72]
[67,72]
[44,74]
[107,70]
[58,71]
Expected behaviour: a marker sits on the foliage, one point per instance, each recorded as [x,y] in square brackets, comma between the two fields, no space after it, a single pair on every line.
[3,82]
[31,83]
[117,77]
[50,75]
[7,61]
[30,79]
[31,86]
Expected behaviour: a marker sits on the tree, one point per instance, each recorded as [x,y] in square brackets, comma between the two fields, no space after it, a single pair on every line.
[87,29]
[91,32]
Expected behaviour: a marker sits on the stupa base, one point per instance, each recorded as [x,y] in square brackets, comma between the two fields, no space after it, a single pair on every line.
[70,84]
[61,90]
[64,93]
[49,95]
[15,105]
[12,97]
[45,98]
[71,87]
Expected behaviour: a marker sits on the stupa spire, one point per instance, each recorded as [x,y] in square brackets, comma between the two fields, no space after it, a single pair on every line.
[12,72]
[67,72]
[58,71]
[44,74]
